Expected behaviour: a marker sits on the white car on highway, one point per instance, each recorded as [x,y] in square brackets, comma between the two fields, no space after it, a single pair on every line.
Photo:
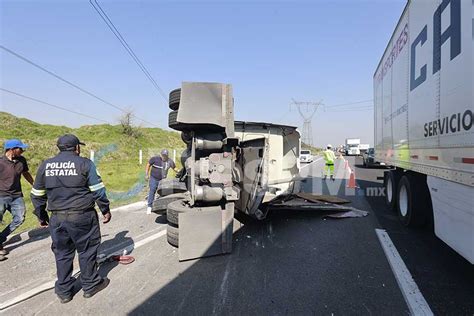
[306,156]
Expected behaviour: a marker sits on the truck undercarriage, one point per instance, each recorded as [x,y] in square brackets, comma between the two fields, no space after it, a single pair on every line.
[229,166]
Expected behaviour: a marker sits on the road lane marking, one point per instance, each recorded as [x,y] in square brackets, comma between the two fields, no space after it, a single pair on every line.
[129,207]
[223,289]
[22,237]
[49,285]
[311,163]
[413,297]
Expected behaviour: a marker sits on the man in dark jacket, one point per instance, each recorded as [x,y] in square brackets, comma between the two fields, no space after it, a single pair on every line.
[12,166]
[156,170]
[70,186]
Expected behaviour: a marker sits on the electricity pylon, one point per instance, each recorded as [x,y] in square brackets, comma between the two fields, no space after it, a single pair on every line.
[307,111]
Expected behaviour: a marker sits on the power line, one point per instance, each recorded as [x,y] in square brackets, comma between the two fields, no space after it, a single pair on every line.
[69,83]
[365,108]
[351,103]
[127,47]
[53,105]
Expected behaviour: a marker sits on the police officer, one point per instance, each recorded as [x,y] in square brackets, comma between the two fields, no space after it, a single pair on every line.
[71,186]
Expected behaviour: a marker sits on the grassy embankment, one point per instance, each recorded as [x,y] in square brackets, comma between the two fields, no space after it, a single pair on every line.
[118,166]
[314,150]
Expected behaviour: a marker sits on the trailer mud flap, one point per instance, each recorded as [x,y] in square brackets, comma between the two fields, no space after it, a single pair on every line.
[206,233]
[255,174]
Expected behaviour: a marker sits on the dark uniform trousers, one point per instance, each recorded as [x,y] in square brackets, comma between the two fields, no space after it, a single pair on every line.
[71,231]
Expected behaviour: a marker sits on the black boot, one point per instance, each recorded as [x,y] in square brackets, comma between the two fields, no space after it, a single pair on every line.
[99,287]
[3,251]
[65,299]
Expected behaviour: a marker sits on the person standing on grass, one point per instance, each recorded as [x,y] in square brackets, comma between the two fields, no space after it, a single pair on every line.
[70,186]
[12,166]
[156,170]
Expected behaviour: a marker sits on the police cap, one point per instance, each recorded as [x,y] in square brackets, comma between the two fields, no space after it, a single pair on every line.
[68,142]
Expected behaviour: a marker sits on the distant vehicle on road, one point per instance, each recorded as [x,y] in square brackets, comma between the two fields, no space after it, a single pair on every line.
[306,156]
[352,147]
[369,158]
[423,104]
[363,148]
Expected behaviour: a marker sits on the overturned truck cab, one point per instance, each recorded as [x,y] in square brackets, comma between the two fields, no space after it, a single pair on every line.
[229,166]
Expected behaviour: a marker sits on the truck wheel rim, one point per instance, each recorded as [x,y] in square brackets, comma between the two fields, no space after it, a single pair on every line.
[389,191]
[403,201]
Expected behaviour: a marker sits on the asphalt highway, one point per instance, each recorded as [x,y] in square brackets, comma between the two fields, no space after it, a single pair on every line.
[291,263]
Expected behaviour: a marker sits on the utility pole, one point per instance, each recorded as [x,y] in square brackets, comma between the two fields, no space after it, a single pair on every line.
[307,111]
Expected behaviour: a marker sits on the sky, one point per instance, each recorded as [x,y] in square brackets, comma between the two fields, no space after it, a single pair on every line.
[270,51]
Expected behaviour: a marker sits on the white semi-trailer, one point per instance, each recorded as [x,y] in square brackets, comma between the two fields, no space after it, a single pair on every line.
[423,94]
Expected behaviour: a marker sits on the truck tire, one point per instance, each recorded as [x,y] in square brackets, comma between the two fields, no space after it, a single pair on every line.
[175,97]
[171,186]
[414,201]
[161,203]
[390,183]
[174,124]
[172,235]
[173,121]
[179,207]
[187,137]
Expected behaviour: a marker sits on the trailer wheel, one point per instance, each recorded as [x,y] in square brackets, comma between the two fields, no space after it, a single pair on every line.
[174,124]
[178,207]
[414,201]
[175,97]
[171,186]
[390,183]
[161,203]
[172,235]
[187,137]
[173,121]
[174,209]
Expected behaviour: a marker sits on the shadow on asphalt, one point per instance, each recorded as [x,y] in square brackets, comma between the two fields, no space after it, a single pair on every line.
[34,235]
[118,243]
[372,167]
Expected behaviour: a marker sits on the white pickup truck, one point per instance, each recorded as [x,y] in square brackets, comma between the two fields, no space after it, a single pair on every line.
[423,97]
[306,156]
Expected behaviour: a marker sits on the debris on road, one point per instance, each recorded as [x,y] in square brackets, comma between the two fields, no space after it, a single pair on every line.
[322,198]
[311,202]
[348,214]
[122,259]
